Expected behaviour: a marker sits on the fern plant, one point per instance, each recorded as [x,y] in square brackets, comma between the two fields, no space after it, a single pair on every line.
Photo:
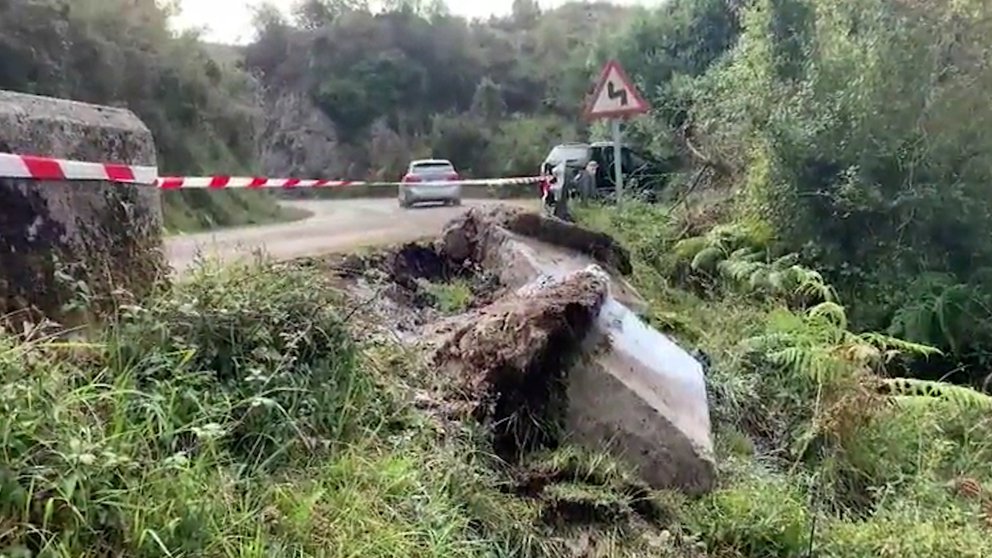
[912,392]
[942,311]
[740,256]
[818,344]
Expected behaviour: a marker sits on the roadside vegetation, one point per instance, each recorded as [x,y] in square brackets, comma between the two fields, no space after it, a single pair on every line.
[193,211]
[235,414]
[822,445]
[823,250]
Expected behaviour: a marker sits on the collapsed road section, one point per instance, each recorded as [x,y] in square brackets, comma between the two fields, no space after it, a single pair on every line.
[549,347]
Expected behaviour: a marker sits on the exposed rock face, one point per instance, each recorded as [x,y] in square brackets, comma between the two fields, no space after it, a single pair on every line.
[109,236]
[300,140]
[631,390]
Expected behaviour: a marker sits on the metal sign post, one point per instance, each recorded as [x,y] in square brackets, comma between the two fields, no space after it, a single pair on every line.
[617,158]
[616,97]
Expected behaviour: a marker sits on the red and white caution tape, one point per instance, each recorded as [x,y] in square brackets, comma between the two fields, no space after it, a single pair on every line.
[222,182]
[46,168]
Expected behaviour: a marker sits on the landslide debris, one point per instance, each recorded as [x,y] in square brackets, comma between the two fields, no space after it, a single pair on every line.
[397,286]
[508,361]
[474,235]
[502,366]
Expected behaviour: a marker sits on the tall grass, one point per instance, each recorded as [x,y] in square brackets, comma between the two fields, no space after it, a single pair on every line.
[815,456]
[234,416]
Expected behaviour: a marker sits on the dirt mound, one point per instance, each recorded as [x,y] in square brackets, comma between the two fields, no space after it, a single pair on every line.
[507,361]
[559,353]
[406,272]
[465,237]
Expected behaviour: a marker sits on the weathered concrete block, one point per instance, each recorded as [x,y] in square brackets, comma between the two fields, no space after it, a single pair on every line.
[106,235]
[639,395]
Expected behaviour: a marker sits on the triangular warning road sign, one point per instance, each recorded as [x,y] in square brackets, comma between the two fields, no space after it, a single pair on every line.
[615,95]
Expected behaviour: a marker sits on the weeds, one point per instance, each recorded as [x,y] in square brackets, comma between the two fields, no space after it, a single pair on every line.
[821,451]
[234,416]
[453,297]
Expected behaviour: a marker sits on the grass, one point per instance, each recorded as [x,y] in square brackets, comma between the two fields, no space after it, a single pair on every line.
[811,458]
[453,297]
[199,210]
[235,415]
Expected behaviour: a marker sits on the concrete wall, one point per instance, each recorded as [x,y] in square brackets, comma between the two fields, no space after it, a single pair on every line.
[106,235]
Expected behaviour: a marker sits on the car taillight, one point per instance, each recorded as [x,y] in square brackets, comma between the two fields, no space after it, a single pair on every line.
[411,178]
[453,176]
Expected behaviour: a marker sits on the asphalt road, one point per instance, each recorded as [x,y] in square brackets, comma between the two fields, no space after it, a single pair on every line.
[335,226]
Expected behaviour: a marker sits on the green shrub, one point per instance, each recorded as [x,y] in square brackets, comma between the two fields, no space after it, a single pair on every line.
[759,514]
[907,531]
[265,345]
[452,297]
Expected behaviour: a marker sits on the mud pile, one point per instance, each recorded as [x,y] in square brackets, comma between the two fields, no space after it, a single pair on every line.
[551,350]
[508,361]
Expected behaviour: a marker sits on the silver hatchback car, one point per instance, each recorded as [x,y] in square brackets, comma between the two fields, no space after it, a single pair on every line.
[430,180]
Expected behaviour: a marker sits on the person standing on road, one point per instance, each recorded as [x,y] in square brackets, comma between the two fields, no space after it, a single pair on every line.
[544,183]
[585,180]
[560,190]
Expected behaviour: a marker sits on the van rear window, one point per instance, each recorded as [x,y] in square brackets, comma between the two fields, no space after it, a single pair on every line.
[569,153]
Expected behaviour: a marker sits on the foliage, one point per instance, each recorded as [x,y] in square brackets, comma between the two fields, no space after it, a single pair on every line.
[492,96]
[292,374]
[741,255]
[234,415]
[761,514]
[453,297]
[157,437]
[202,111]
[846,139]
[809,425]
[819,344]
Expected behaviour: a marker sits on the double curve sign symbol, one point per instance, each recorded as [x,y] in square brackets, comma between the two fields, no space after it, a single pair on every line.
[613,93]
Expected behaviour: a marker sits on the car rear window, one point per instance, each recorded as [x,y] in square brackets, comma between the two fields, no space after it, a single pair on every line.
[569,153]
[433,165]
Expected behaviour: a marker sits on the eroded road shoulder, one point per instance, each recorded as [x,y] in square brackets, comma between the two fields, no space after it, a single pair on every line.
[335,226]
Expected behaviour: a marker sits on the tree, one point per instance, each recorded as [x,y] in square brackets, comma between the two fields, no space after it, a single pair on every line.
[488,103]
[525,13]
[314,14]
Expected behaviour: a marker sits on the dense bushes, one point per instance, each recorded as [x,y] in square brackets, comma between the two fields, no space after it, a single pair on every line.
[142,441]
[853,132]
[810,426]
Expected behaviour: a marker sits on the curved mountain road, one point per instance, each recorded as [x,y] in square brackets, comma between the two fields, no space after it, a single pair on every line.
[334,226]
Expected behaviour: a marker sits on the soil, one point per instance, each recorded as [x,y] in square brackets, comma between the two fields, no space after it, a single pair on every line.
[463,235]
[510,359]
[390,285]
[503,363]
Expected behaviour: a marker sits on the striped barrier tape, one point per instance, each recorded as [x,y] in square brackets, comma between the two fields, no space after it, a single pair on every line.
[46,168]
